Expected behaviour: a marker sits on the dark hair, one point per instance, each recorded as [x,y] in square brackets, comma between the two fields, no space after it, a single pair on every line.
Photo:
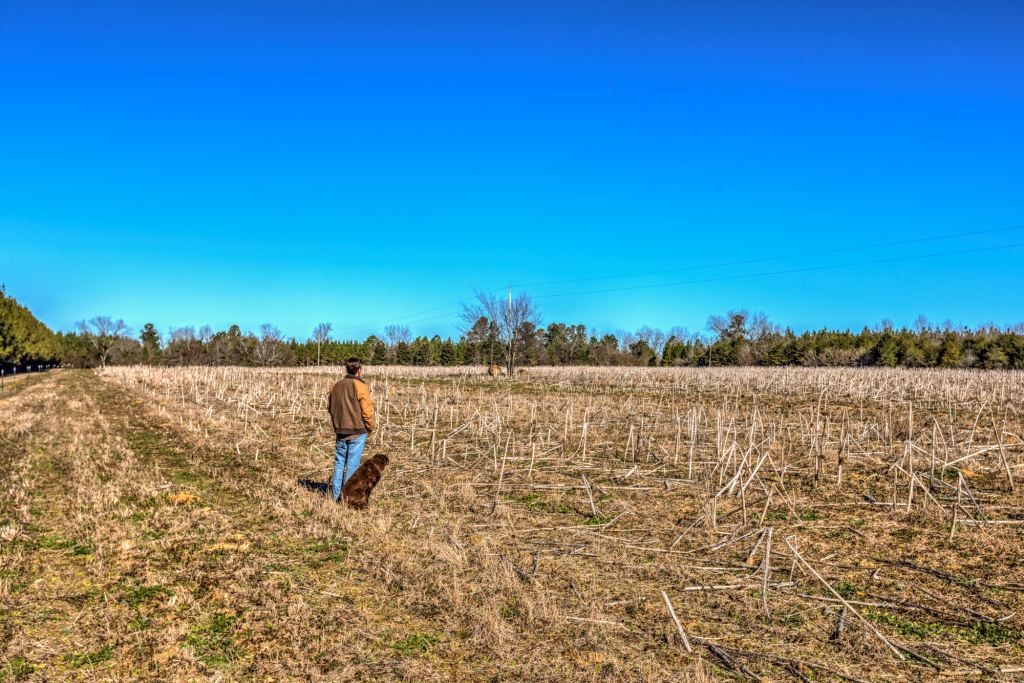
[353,365]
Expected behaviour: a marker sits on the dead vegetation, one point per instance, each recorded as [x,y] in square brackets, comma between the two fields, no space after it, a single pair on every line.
[569,524]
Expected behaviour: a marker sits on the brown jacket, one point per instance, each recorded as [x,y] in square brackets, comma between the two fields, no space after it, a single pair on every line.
[351,407]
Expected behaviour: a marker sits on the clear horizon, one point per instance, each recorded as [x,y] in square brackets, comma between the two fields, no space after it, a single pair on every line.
[218,163]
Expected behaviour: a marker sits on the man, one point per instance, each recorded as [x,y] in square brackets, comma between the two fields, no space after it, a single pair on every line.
[351,410]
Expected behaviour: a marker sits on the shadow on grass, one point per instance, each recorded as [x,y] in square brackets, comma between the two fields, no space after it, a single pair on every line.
[315,486]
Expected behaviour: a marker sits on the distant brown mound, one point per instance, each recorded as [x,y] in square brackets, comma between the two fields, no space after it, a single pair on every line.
[356,491]
[495,370]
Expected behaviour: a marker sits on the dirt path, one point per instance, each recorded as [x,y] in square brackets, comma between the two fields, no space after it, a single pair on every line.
[12,384]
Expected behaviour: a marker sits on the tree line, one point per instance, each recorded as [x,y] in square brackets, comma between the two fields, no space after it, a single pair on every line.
[24,341]
[510,334]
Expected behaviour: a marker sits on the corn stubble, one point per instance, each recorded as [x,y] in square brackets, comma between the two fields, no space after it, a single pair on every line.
[564,524]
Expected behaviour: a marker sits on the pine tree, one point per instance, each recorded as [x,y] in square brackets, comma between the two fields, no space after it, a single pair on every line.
[420,352]
[886,351]
[403,353]
[447,355]
[23,339]
[951,351]
[150,338]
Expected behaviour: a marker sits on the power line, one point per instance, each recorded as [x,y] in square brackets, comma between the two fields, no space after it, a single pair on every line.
[765,259]
[406,317]
[787,271]
[412,318]
[392,320]
[401,320]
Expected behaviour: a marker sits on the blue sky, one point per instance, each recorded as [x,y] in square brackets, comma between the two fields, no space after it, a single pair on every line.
[359,163]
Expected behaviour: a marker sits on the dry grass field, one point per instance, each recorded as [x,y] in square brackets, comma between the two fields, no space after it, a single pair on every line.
[564,525]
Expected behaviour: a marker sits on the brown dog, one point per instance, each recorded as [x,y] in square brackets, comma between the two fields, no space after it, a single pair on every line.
[356,491]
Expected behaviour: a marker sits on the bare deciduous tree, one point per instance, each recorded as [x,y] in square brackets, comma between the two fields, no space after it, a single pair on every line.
[267,350]
[321,333]
[731,326]
[626,339]
[395,334]
[103,332]
[183,334]
[679,334]
[508,315]
[759,327]
[742,326]
[654,337]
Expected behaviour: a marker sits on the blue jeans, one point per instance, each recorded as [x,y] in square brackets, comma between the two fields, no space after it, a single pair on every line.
[347,453]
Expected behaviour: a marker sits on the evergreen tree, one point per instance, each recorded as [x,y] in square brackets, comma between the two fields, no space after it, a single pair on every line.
[673,352]
[403,353]
[74,351]
[11,345]
[909,351]
[24,341]
[642,353]
[951,351]
[447,355]
[380,353]
[994,358]
[150,338]
[886,351]
[556,343]
[420,352]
